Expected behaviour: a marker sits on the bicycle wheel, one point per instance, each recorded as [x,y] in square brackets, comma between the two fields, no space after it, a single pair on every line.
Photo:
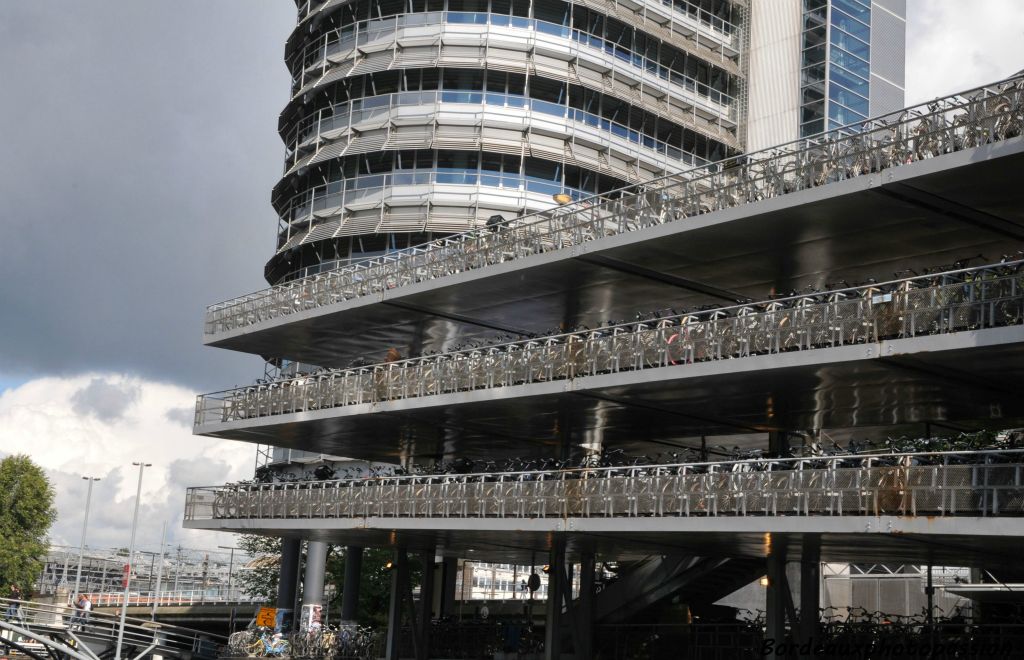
[298,645]
[225,504]
[256,648]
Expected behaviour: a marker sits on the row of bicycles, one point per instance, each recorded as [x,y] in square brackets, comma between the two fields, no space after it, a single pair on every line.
[349,642]
[945,274]
[993,447]
[988,114]
[953,301]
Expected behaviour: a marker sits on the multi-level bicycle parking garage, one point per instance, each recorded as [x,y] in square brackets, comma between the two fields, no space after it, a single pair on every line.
[863,283]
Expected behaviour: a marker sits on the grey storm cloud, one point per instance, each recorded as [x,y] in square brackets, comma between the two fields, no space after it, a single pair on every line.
[183,416]
[139,150]
[104,400]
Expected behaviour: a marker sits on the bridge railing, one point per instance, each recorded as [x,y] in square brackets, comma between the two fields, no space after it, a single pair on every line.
[966,299]
[977,483]
[181,597]
[984,115]
[167,640]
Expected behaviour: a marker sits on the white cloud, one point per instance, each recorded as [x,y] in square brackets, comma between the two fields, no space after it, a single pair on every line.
[954,45]
[97,425]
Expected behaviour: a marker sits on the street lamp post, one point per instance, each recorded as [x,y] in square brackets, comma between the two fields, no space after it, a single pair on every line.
[160,570]
[81,544]
[231,564]
[131,557]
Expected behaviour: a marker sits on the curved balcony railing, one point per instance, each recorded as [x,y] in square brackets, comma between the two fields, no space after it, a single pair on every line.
[936,484]
[349,114]
[976,117]
[317,54]
[960,300]
[338,193]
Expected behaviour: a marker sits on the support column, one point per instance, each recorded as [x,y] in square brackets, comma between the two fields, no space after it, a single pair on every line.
[313,583]
[556,579]
[426,604]
[775,604]
[287,583]
[585,607]
[399,579]
[353,574]
[778,443]
[929,591]
[445,595]
[810,596]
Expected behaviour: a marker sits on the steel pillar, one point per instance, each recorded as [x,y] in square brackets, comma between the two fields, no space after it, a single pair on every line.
[810,596]
[399,579]
[313,582]
[353,574]
[584,610]
[778,443]
[426,605]
[929,591]
[446,593]
[287,583]
[775,593]
[556,581]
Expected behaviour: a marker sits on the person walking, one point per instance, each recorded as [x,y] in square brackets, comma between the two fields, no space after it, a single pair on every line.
[82,608]
[14,606]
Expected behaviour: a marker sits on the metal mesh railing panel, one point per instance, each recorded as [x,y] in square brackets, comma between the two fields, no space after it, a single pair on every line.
[983,483]
[969,299]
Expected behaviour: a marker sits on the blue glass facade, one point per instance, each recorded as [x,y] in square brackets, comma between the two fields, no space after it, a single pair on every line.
[835,64]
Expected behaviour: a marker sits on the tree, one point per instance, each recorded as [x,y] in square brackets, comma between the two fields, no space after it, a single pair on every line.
[26,515]
[374,583]
[261,579]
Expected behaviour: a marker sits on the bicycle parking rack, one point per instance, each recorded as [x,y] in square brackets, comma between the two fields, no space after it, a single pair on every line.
[978,483]
[943,303]
[977,117]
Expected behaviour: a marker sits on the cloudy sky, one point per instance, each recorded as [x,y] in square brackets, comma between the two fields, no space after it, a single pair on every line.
[138,151]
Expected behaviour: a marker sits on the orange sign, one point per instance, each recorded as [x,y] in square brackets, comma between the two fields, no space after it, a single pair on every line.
[266,617]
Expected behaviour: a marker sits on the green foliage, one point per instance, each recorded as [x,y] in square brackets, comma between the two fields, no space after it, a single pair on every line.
[26,514]
[375,579]
[261,580]
[374,584]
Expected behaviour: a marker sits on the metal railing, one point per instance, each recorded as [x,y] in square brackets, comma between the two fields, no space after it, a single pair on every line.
[977,483]
[311,64]
[693,11]
[161,638]
[181,597]
[967,299]
[344,115]
[969,119]
[335,195]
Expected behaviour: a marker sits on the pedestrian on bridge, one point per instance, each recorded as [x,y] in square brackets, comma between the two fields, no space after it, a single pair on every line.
[15,596]
[82,608]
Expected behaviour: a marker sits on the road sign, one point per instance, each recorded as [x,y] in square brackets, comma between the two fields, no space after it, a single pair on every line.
[266,617]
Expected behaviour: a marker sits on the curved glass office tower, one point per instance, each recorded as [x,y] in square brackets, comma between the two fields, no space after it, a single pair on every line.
[411,119]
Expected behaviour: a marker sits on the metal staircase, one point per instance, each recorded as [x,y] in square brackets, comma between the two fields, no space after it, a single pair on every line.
[702,580]
[42,629]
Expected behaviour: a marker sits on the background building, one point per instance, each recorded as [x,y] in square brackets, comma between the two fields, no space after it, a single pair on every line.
[411,120]
[818,65]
